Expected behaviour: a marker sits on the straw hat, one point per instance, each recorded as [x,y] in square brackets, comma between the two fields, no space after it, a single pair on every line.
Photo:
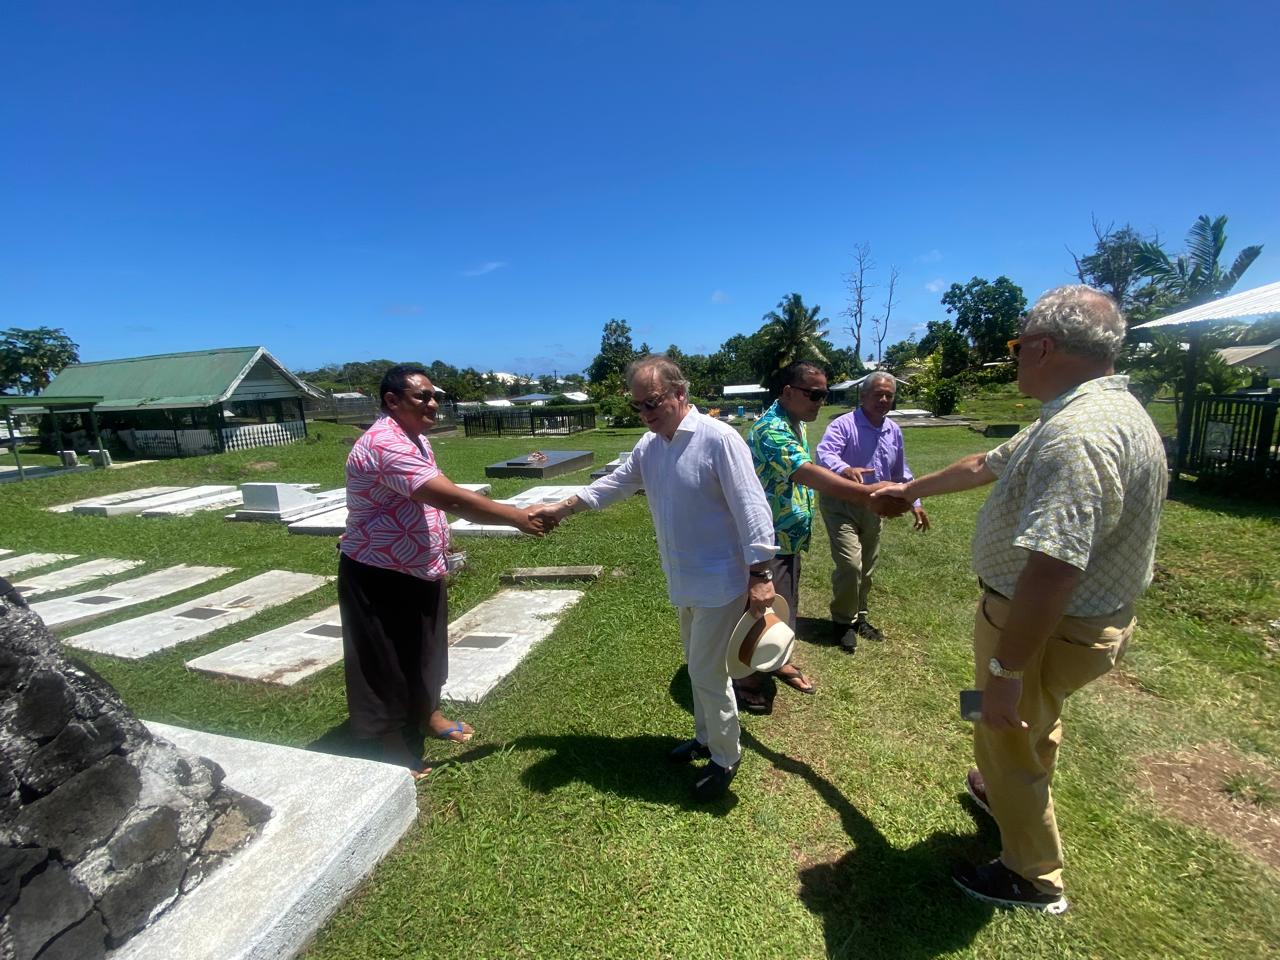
[762,643]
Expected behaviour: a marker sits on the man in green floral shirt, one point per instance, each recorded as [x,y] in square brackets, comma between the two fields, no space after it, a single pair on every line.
[780,451]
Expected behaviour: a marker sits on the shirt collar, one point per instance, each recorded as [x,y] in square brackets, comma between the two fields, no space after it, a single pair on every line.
[690,421]
[1115,381]
[860,418]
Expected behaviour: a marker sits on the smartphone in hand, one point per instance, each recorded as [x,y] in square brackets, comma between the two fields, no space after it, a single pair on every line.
[971,705]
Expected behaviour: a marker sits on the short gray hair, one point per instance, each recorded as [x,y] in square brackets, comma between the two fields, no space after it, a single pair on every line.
[867,382]
[664,367]
[1080,319]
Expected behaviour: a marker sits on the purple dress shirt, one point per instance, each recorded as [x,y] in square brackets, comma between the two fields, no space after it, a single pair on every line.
[851,441]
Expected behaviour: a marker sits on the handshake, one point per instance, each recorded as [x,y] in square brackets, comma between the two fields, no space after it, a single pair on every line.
[542,518]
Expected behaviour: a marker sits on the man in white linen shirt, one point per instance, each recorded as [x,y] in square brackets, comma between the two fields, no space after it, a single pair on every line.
[715,539]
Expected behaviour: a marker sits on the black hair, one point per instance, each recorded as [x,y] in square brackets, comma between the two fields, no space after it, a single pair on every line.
[793,373]
[396,380]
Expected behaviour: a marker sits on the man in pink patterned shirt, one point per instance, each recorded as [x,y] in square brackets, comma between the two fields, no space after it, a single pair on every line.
[392,567]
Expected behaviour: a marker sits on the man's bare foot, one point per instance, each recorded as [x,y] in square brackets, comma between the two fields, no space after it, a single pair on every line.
[793,677]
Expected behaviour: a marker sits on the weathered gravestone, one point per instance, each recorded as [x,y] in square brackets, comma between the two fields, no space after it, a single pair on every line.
[103,826]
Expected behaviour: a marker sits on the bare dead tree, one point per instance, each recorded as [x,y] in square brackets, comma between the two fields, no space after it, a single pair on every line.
[882,322]
[856,281]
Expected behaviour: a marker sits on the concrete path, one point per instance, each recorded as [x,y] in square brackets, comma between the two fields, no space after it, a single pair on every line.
[29,561]
[332,820]
[148,503]
[80,607]
[123,497]
[489,640]
[140,637]
[282,656]
[73,576]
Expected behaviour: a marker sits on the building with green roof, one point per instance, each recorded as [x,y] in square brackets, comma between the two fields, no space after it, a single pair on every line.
[181,404]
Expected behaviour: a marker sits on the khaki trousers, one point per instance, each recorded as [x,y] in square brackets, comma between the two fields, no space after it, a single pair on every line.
[1017,765]
[705,632]
[854,532]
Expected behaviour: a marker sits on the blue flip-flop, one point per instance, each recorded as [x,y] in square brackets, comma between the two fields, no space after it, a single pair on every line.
[463,735]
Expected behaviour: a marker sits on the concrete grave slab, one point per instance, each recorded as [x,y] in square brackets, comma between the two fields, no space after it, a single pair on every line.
[332,820]
[5,553]
[527,498]
[551,574]
[333,522]
[147,503]
[184,508]
[553,463]
[151,586]
[9,474]
[283,656]
[29,561]
[123,497]
[489,640]
[137,638]
[295,504]
[73,576]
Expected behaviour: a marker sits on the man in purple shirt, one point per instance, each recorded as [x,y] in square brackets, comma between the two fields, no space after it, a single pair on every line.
[864,441]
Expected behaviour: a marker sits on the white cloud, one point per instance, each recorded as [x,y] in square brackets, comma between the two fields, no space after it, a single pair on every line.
[933,256]
[719,296]
[487,267]
[936,285]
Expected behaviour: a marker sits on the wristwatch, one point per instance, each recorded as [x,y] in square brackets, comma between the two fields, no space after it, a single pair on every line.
[997,669]
[766,574]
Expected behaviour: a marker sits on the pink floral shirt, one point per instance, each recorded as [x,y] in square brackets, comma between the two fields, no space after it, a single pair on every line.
[385,528]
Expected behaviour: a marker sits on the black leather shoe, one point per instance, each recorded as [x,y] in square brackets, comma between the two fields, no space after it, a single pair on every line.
[714,782]
[689,751]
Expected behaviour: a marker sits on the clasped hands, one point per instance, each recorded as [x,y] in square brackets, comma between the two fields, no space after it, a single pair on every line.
[542,518]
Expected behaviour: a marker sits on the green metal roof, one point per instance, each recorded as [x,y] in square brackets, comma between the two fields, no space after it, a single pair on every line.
[170,380]
[39,403]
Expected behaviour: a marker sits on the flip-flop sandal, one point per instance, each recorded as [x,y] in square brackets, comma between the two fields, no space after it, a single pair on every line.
[458,728]
[797,681]
[420,775]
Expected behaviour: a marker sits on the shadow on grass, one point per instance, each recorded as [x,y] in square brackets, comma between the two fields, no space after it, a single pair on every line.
[818,631]
[634,767]
[1221,498]
[879,901]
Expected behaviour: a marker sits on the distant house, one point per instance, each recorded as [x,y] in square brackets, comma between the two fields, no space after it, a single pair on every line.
[183,404]
[533,399]
[745,390]
[1265,356]
[847,388]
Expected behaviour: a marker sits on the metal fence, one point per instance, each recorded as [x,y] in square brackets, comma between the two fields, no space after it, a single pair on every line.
[1235,440]
[196,442]
[526,421]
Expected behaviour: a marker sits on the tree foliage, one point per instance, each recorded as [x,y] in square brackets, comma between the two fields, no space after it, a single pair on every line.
[1196,277]
[986,313]
[616,351]
[898,355]
[792,332]
[943,337]
[30,359]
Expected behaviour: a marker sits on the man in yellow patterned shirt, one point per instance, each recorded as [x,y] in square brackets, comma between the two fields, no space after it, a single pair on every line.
[1063,547]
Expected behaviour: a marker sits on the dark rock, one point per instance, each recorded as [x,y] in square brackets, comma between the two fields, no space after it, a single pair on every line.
[149,837]
[83,811]
[15,864]
[131,901]
[44,706]
[87,940]
[49,903]
[79,745]
[13,671]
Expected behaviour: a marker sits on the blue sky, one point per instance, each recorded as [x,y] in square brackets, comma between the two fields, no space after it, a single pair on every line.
[488,183]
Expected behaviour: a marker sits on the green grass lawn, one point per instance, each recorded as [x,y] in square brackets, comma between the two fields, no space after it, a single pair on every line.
[560,831]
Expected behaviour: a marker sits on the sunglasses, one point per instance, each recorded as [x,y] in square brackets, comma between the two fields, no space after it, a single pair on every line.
[1015,345]
[424,397]
[649,405]
[816,395]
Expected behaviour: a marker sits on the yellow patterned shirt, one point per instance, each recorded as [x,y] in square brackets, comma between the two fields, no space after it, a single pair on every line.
[1083,484]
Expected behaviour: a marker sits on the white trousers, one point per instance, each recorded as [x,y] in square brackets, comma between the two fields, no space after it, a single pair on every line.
[705,632]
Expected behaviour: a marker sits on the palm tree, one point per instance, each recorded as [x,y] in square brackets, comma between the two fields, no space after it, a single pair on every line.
[1196,277]
[793,332]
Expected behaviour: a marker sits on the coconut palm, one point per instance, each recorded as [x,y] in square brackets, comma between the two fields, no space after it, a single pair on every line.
[1196,277]
[794,332]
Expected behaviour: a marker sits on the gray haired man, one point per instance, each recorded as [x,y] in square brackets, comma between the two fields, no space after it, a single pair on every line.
[1064,546]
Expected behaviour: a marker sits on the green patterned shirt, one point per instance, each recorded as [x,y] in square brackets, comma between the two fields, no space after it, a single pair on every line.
[778,453]
[1083,484]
